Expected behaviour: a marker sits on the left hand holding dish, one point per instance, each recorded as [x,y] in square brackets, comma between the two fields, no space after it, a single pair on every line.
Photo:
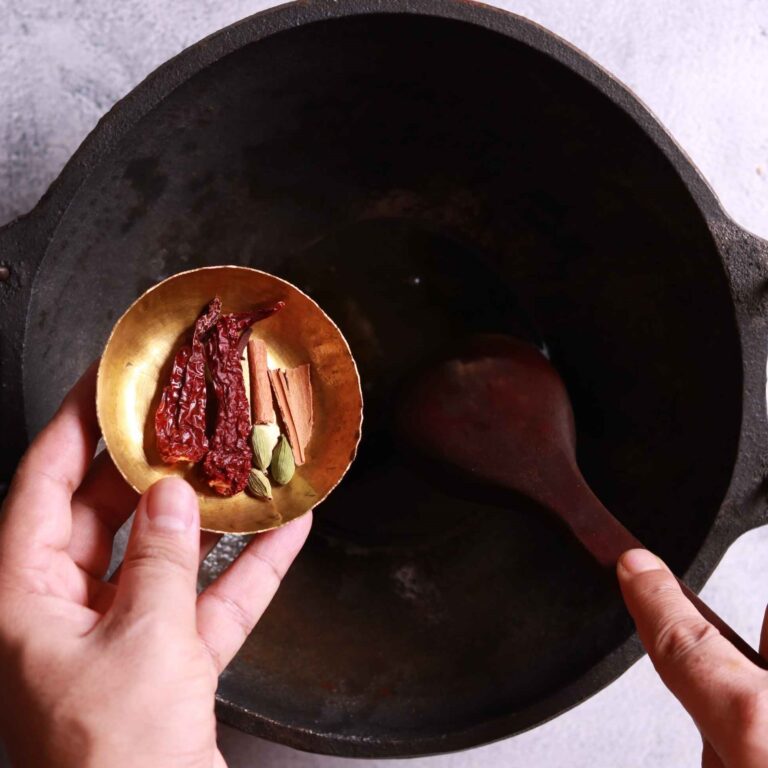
[120,672]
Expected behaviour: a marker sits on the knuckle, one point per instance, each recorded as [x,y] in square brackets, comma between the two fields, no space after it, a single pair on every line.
[658,588]
[31,470]
[275,573]
[237,612]
[154,555]
[751,710]
[678,636]
[216,659]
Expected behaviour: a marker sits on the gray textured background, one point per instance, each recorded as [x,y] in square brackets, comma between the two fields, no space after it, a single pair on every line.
[701,66]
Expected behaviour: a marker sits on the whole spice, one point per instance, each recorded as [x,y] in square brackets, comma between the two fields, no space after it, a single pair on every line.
[261,392]
[293,393]
[169,445]
[265,430]
[180,416]
[263,441]
[283,466]
[258,484]
[228,461]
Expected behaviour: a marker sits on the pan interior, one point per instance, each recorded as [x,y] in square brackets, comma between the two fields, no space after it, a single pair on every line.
[423,178]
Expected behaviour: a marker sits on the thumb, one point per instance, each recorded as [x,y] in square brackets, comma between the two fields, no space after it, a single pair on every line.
[704,671]
[159,570]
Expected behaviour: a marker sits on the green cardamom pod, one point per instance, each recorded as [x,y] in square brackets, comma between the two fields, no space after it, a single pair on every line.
[283,466]
[258,484]
[263,441]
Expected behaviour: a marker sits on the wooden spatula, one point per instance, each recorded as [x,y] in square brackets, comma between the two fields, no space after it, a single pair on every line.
[499,411]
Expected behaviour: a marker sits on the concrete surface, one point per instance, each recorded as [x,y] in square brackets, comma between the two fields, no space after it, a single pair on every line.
[701,65]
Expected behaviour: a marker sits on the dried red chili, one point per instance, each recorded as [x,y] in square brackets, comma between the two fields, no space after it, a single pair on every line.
[228,461]
[180,417]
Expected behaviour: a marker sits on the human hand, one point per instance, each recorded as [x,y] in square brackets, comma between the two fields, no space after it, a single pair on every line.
[123,673]
[724,692]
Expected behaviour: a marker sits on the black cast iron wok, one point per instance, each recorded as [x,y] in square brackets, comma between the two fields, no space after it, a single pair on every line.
[425,170]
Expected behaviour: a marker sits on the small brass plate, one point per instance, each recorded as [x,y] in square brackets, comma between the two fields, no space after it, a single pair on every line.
[135,366]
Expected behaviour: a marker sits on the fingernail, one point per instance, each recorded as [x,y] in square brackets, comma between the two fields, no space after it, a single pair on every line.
[170,506]
[640,560]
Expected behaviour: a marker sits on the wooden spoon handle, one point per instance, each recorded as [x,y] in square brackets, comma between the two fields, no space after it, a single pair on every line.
[606,539]
[725,629]
[599,532]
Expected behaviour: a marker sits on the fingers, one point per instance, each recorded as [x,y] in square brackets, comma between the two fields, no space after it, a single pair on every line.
[102,503]
[208,541]
[696,663]
[37,511]
[159,570]
[228,610]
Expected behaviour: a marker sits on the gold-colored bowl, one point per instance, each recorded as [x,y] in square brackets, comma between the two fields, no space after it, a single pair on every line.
[136,363]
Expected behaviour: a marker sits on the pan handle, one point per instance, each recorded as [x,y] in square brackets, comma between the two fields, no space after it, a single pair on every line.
[746,259]
[20,252]
[19,258]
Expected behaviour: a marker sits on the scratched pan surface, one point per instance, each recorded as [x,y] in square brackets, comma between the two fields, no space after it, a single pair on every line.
[424,177]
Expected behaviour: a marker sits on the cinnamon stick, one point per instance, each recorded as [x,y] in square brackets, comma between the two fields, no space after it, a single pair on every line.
[293,394]
[262,410]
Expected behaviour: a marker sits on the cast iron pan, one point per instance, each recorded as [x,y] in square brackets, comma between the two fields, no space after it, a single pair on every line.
[425,170]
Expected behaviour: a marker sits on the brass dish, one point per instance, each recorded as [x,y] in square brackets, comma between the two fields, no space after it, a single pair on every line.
[136,365]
